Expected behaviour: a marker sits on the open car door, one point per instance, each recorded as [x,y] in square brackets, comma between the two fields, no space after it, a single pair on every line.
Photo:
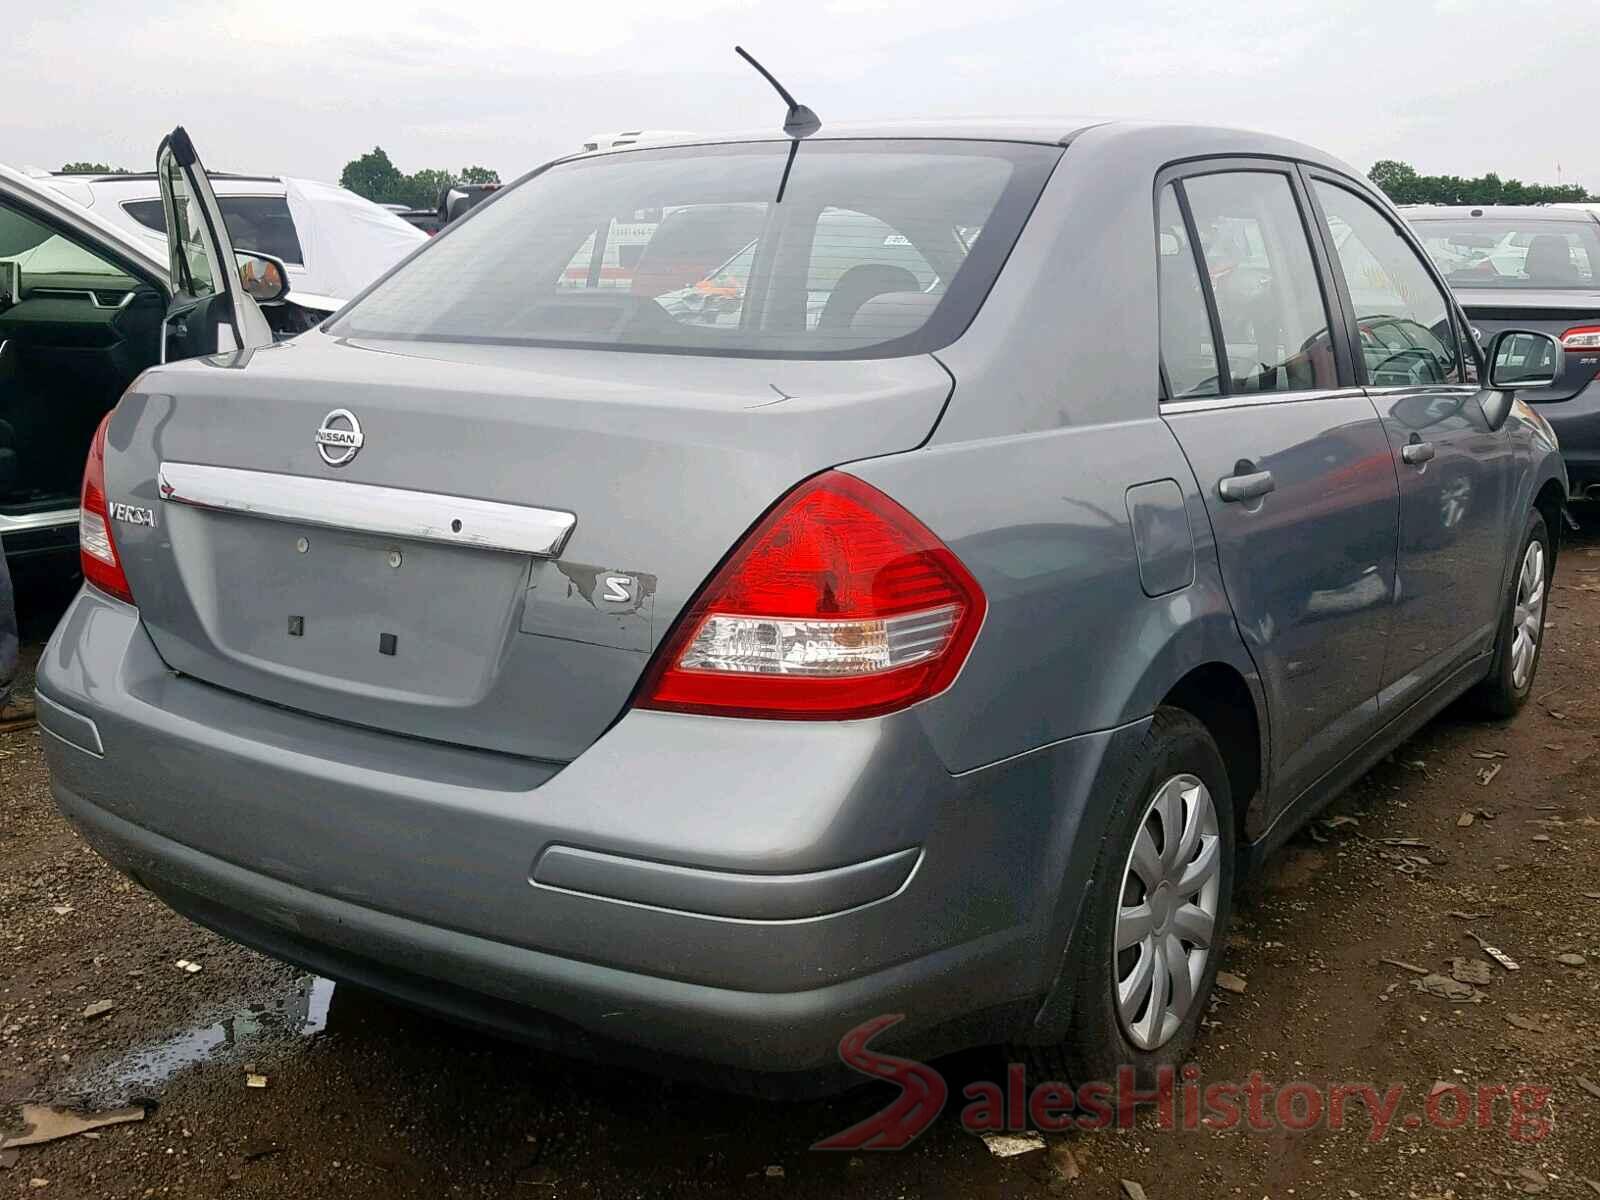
[212,311]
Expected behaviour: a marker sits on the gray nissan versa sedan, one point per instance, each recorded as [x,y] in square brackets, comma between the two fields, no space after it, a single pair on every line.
[938,628]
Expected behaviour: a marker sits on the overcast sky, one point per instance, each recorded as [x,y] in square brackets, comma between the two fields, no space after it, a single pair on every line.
[297,88]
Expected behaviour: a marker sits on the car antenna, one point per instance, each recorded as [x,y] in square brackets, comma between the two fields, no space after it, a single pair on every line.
[801,121]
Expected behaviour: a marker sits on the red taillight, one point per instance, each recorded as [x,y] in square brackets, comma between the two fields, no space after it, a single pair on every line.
[838,604]
[97,549]
[1583,337]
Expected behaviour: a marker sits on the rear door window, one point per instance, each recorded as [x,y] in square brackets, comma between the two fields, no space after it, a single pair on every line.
[1403,319]
[260,223]
[859,248]
[1257,254]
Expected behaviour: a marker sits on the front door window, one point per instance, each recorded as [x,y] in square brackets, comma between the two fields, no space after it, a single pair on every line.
[1407,335]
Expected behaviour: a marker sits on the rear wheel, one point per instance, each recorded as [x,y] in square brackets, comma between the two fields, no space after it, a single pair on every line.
[1148,943]
[1521,636]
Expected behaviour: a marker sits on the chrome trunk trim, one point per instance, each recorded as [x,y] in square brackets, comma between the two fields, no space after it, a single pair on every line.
[368,508]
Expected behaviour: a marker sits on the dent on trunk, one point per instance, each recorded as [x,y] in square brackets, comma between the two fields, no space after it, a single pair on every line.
[582,602]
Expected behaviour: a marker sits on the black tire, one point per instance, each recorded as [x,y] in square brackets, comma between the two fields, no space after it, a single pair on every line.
[1498,696]
[1097,1045]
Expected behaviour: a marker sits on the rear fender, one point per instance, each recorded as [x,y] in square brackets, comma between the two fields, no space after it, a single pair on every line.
[1209,638]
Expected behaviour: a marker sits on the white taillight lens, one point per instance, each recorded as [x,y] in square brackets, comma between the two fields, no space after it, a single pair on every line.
[94,538]
[777,646]
[1584,337]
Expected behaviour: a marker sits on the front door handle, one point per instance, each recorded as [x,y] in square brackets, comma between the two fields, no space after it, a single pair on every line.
[1247,484]
[1416,451]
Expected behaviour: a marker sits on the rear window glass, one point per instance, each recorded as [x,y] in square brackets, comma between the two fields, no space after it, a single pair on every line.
[1487,252]
[855,249]
[259,223]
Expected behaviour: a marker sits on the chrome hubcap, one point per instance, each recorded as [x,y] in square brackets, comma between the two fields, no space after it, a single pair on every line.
[1168,910]
[1527,619]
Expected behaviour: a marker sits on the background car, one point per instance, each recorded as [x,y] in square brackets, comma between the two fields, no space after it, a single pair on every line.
[634,137]
[425,219]
[333,241]
[1533,268]
[457,200]
[88,304]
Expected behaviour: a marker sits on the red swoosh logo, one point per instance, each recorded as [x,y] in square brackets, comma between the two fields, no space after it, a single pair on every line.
[921,1099]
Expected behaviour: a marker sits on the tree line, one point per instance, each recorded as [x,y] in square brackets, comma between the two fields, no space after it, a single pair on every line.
[374,176]
[1402,184]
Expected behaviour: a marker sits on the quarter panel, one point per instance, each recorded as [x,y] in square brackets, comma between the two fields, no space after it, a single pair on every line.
[1071,642]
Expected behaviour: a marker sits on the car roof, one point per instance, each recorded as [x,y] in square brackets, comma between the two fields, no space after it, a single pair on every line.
[1520,212]
[1140,135]
[1046,131]
[152,177]
[147,186]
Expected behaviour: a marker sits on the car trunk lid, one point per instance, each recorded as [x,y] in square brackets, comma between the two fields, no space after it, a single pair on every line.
[505,543]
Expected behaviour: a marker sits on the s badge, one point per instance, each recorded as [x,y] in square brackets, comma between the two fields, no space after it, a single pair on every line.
[619,589]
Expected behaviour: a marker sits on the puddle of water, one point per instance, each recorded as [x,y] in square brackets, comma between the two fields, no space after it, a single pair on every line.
[221,1035]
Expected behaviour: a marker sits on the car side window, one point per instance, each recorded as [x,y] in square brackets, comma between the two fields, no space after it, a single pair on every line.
[1188,350]
[1403,319]
[1275,325]
[259,223]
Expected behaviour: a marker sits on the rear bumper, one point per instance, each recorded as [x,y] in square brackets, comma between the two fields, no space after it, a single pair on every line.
[737,892]
[1577,425]
[557,1003]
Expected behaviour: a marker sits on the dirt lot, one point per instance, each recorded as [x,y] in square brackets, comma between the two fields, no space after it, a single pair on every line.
[365,1100]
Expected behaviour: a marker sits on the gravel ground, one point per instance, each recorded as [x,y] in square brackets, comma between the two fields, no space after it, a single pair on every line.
[363,1099]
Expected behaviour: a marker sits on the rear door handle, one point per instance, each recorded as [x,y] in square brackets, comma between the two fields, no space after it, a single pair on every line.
[1251,485]
[1416,452]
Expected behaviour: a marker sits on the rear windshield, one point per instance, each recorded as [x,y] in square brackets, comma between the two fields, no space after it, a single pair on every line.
[855,249]
[259,223]
[1485,252]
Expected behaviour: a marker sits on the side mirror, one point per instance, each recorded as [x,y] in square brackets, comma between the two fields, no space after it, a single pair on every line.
[1519,359]
[263,277]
